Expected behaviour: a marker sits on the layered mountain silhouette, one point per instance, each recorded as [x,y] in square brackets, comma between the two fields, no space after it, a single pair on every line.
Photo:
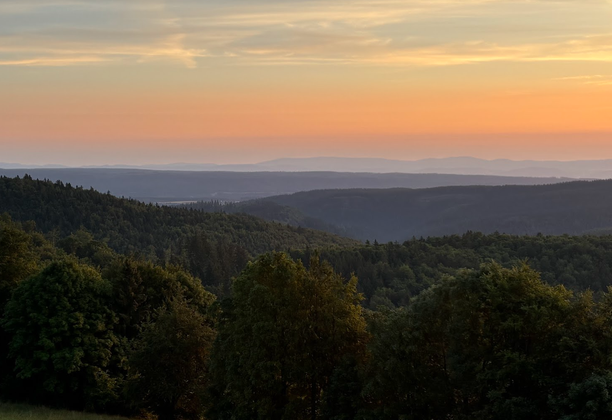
[573,208]
[599,169]
[177,186]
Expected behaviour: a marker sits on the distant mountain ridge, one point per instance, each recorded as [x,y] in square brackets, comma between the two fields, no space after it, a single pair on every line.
[590,169]
[596,169]
[178,186]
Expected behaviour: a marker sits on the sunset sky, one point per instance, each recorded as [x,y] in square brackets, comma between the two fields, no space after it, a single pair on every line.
[144,81]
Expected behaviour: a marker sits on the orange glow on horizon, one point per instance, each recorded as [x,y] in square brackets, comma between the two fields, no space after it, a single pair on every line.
[185,119]
[348,77]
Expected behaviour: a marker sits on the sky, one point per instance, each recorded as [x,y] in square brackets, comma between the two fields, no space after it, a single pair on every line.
[234,81]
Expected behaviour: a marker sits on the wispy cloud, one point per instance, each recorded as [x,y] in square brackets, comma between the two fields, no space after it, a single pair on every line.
[68,54]
[594,79]
[273,32]
[53,62]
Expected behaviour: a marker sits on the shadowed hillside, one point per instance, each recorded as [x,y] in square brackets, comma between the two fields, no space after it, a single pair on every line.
[267,210]
[213,247]
[169,186]
[399,214]
[129,225]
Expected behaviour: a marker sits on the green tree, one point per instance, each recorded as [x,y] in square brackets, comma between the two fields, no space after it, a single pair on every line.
[62,339]
[281,336]
[18,259]
[590,399]
[169,362]
[343,396]
[139,288]
[489,344]
[83,245]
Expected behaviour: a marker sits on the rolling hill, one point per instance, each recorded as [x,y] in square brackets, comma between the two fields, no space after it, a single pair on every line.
[399,214]
[599,169]
[131,226]
[177,186]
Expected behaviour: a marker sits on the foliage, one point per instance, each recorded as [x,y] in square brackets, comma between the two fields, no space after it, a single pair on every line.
[590,399]
[169,361]
[281,337]
[448,338]
[267,210]
[69,326]
[140,288]
[214,246]
[21,254]
[62,338]
[132,226]
[391,274]
[84,246]
[398,214]
[490,344]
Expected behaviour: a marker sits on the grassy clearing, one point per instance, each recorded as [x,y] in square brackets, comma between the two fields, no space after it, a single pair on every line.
[23,412]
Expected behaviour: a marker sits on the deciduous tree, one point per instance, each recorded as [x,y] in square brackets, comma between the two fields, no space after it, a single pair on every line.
[281,337]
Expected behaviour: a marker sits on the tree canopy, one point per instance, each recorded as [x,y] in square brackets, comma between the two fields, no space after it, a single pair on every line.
[281,336]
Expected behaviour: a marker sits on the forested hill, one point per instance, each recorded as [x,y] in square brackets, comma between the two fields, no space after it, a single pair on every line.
[212,246]
[130,225]
[391,274]
[165,186]
[267,210]
[398,214]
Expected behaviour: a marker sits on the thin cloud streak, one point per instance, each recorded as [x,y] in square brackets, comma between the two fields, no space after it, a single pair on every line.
[53,62]
[335,50]
[348,32]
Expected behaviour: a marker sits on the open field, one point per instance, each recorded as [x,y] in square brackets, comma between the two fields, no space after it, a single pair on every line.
[22,412]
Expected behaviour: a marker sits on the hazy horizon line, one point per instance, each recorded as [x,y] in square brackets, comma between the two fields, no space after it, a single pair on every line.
[288,158]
